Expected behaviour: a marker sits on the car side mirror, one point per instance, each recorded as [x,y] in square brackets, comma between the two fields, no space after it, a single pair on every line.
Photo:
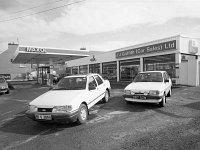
[92,87]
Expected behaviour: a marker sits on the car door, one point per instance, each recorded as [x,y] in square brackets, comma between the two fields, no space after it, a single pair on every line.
[100,87]
[92,91]
[167,84]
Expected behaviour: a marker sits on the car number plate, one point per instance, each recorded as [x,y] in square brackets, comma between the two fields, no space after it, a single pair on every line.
[43,117]
[139,97]
[143,97]
[136,97]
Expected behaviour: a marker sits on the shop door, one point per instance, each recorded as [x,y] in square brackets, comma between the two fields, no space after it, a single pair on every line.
[44,75]
[183,73]
[46,72]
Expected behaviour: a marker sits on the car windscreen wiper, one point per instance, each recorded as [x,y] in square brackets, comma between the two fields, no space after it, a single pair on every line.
[62,88]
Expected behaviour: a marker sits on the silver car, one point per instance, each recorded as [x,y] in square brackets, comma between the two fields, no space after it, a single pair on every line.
[149,87]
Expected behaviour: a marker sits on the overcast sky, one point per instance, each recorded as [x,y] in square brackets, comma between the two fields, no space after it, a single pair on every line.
[95,24]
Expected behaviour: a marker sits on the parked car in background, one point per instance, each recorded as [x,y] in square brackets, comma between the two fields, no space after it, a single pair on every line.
[4,86]
[149,87]
[70,99]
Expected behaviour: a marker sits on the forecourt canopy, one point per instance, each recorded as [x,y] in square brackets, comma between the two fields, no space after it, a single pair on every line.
[36,55]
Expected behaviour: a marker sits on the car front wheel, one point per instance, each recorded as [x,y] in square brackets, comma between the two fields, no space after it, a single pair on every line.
[163,101]
[106,97]
[8,91]
[82,114]
[128,102]
[169,93]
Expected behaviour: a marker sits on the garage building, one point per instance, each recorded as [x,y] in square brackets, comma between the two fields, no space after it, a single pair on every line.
[178,55]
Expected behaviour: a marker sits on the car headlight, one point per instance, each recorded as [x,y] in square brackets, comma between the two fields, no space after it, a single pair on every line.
[128,92]
[3,87]
[32,108]
[154,92]
[62,109]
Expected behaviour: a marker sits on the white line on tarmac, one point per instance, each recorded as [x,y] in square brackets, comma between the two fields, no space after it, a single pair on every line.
[18,143]
[9,119]
[6,113]
[2,123]
[19,100]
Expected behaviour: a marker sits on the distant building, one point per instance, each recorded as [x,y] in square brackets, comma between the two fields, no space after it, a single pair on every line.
[45,62]
[178,55]
[9,70]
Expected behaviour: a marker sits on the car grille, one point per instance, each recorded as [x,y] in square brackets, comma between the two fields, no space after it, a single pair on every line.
[45,109]
[139,93]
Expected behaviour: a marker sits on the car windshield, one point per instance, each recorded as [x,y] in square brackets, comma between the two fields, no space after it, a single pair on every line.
[71,83]
[2,80]
[149,77]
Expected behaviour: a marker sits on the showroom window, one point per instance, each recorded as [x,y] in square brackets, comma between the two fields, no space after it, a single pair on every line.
[68,71]
[162,62]
[94,68]
[98,79]
[109,70]
[129,69]
[83,69]
[75,70]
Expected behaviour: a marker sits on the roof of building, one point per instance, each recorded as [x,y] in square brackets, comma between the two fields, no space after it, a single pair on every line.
[34,55]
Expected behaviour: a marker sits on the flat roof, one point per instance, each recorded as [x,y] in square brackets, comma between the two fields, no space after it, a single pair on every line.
[38,55]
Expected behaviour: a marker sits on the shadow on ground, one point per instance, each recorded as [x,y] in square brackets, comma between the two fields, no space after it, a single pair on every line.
[20,124]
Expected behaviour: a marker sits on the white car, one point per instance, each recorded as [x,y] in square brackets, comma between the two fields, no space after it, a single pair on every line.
[70,100]
[4,86]
[149,87]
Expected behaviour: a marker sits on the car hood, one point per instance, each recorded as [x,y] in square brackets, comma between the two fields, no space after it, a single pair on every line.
[144,86]
[57,98]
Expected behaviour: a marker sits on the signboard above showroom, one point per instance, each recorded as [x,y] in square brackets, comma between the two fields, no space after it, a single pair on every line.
[159,47]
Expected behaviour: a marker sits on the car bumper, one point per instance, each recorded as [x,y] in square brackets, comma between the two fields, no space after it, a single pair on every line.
[3,90]
[143,99]
[54,117]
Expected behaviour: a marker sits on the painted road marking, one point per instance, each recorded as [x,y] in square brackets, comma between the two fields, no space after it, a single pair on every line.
[107,116]
[6,113]
[3,122]
[18,143]
[12,99]
[118,112]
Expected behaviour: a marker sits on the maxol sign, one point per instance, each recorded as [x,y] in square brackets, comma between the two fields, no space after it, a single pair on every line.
[35,50]
[159,47]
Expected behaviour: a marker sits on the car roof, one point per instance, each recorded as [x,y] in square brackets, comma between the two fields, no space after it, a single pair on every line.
[152,71]
[81,75]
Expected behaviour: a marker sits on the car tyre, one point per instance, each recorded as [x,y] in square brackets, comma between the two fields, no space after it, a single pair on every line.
[8,91]
[128,102]
[106,97]
[169,93]
[82,114]
[163,101]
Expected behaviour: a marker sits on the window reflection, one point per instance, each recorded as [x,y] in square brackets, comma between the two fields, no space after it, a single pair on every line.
[129,69]
[110,70]
[162,63]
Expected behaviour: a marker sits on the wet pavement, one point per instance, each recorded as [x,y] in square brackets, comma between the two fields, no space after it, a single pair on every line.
[111,126]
